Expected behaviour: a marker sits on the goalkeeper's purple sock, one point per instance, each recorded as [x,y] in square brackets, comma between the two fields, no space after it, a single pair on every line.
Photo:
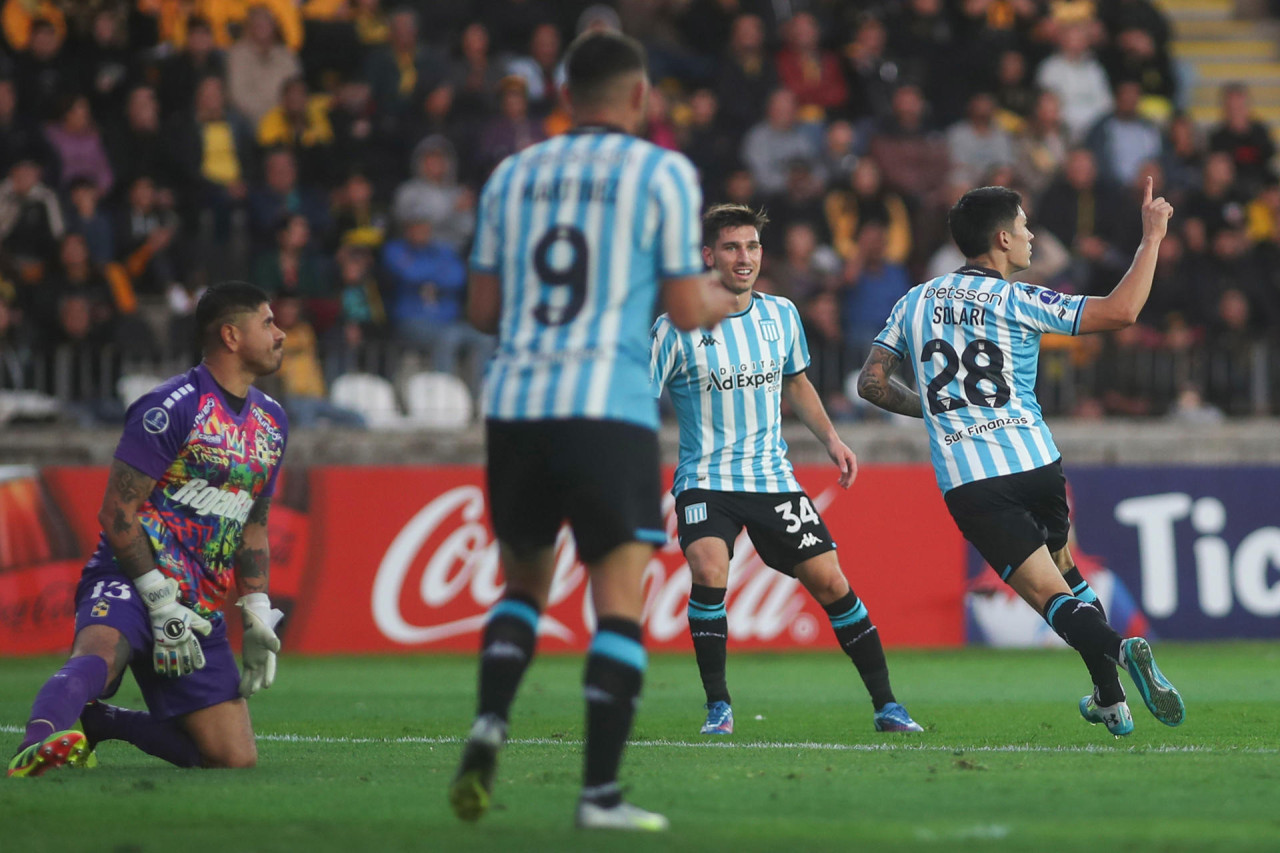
[164,739]
[60,700]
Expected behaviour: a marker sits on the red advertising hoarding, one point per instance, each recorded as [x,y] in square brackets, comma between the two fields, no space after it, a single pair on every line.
[401,559]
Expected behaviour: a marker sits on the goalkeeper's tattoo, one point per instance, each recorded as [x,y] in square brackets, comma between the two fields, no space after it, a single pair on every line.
[127,488]
[876,385]
[253,559]
[258,515]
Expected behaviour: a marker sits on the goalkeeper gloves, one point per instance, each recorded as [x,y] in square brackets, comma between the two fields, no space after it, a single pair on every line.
[260,642]
[173,626]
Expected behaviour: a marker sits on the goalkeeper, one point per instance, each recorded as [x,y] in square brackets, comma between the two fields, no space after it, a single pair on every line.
[185,515]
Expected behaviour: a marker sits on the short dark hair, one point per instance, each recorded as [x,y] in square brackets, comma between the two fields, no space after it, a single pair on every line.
[221,303]
[595,59]
[721,216]
[979,214]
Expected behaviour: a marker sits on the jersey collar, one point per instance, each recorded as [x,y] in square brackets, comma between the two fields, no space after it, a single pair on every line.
[747,310]
[974,269]
[597,128]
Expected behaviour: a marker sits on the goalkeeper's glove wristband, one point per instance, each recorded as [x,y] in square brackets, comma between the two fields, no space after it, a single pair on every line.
[174,626]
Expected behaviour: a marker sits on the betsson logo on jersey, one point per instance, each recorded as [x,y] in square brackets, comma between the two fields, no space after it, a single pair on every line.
[205,499]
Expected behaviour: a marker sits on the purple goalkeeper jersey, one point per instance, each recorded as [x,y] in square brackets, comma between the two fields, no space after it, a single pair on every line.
[210,464]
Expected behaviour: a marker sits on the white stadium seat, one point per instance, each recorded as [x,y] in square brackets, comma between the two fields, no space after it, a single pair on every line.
[131,386]
[371,396]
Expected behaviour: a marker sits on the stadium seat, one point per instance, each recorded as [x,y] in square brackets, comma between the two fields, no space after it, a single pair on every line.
[131,386]
[371,396]
[437,400]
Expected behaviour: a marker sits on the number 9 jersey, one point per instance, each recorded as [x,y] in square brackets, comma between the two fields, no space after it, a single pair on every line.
[580,229]
[974,342]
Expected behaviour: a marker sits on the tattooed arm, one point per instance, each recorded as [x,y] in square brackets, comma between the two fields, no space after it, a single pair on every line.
[877,385]
[127,488]
[253,559]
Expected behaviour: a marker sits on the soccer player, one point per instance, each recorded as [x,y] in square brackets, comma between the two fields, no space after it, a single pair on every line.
[185,515]
[573,236]
[727,386]
[974,338]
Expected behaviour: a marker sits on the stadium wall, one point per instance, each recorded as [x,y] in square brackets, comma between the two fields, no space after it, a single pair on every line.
[400,559]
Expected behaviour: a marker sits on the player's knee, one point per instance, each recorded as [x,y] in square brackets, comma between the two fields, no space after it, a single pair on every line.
[232,757]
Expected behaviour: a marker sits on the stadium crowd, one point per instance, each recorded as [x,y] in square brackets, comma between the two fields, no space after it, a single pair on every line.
[331,152]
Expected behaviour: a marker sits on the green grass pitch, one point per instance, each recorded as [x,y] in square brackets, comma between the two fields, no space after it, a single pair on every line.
[356,755]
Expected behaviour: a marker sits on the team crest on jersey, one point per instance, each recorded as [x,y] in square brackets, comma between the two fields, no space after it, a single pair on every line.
[100,608]
[769,330]
[155,421]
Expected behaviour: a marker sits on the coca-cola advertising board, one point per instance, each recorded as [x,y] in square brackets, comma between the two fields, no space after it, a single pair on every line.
[404,560]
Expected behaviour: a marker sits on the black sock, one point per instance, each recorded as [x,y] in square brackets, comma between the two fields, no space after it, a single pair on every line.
[861,642]
[505,652]
[1080,589]
[709,627]
[1084,629]
[616,663]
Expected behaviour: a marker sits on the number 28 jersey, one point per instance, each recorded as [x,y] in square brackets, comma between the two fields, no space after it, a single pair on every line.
[974,342]
[579,230]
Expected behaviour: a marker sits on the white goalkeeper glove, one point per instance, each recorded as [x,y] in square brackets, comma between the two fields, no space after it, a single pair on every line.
[260,642]
[174,626]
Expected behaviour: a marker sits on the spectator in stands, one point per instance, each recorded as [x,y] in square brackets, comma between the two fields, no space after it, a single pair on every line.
[428,282]
[747,75]
[1246,139]
[1040,147]
[136,145]
[1184,155]
[403,66]
[704,140]
[258,66]
[801,201]
[77,144]
[917,32]
[872,72]
[282,193]
[540,69]
[294,267]
[300,122]
[31,222]
[105,63]
[78,368]
[511,130]
[658,125]
[806,265]
[362,323]
[21,137]
[87,219]
[108,292]
[17,353]
[912,154]
[977,143]
[1216,204]
[1122,141]
[1233,334]
[303,391]
[511,21]
[210,147]
[1134,54]
[839,154]
[865,199]
[181,72]
[43,75]
[1014,91]
[21,20]
[830,360]
[774,143]
[872,285]
[812,73]
[358,219]
[1078,79]
[1087,214]
[475,73]
[147,239]
[434,192]
[357,144]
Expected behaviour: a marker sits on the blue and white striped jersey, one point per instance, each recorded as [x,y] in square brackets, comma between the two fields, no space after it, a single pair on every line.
[974,341]
[726,386]
[579,230]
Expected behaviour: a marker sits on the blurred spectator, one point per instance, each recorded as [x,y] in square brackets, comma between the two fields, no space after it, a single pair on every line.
[511,21]
[1217,204]
[403,65]
[182,72]
[1134,54]
[300,122]
[294,267]
[41,72]
[433,114]
[428,282]
[226,18]
[866,200]
[88,220]
[540,69]
[872,73]
[812,73]
[658,127]
[1040,148]
[1190,408]
[801,201]
[302,382]
[434,194]
[705,142]
[136,146]
[21,19]
[977,143]
[747,75]
[210,147]
[146,239]
[1183,160]
[356,142]
[75,273]
[17,355]
[830,360]
[806,266]
[363,320]
[1078,79]
[475,73]
[1244,137]
[1232,336]
[1087,215]
[30,220]
[76,142]
[910,151]
[1015,94]
[773,144]
[872,286]
[511,130]
[917,32]
[21,137]
[258,66]
[78,368]
[104,63]
[358,219]
[1122,141]
[282,193]
[839,154]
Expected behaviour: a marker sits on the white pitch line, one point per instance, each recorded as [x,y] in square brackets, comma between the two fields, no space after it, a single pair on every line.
[903,745]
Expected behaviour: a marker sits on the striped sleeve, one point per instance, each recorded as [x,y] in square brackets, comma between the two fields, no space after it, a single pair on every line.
[665,354]
[798,351]
[1047,310]
[488,241]
[894,335]
[679,199]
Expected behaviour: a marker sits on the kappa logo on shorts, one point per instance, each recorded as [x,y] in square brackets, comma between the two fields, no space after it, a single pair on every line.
[769,330]
[808,541]
[100,608]
[695,513]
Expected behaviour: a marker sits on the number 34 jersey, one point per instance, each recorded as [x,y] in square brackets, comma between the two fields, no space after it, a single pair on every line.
[579,230]
[974,342]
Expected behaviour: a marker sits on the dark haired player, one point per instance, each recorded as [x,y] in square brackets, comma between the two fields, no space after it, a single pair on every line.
[573,238]
[974,338]
[727,386]
[185,515]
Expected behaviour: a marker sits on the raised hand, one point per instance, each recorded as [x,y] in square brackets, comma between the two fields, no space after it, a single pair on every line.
[1155,214]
